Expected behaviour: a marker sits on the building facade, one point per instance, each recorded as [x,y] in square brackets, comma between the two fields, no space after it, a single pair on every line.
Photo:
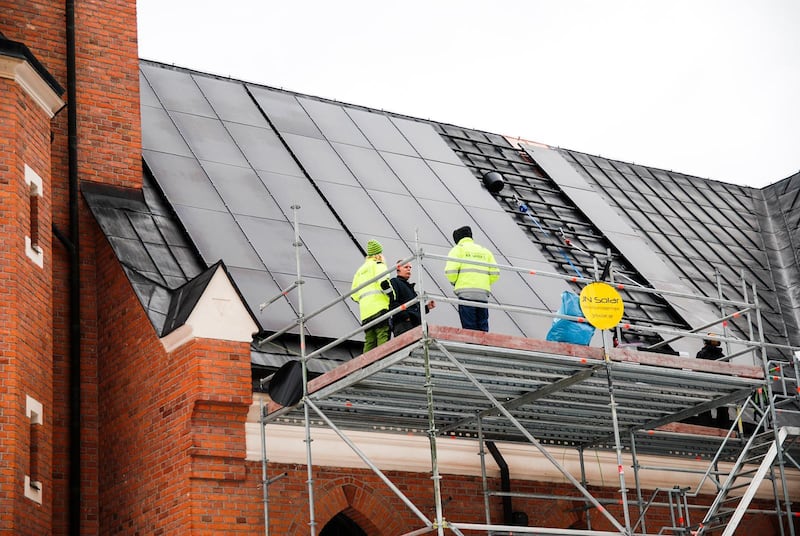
[127,350]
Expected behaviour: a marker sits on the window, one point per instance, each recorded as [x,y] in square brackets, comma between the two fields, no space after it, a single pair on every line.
[33,484]
[32,247]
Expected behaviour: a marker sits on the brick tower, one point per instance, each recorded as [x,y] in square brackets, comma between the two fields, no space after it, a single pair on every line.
[51,138]
[104,427]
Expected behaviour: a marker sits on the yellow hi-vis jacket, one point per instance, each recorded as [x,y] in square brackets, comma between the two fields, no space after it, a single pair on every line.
[374,298]
[471,281]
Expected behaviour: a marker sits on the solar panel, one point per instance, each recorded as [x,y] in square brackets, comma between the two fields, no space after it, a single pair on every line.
[427,142]
[217,236]
[272,240]
[334,123]
[208,139]
[290,191]
[369,168]
[263,149]
[161,133]
[147,96]
[358,212]
[505,235]
[184,182]
[407,216]
[462,183]
[319,159]
[230,101]
[177,91]
[330,247]
[317,292]
[418,178]
[242,190]
[257,287]
[284,112]
[381,132]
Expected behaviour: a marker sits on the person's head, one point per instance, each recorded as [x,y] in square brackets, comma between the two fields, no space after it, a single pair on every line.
[711,341]
[374,248]
[462,232]
[403,269]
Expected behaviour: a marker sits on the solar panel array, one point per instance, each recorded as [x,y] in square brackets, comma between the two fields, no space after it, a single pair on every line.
[233,158]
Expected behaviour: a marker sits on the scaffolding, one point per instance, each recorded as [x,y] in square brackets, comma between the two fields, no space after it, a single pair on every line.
[490,387]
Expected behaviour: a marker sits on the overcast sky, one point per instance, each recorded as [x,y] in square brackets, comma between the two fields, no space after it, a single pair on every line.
[709,88]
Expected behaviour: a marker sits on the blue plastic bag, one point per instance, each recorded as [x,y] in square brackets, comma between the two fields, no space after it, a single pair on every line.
[564,330]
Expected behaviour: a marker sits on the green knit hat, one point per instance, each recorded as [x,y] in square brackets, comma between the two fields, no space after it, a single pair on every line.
[374,247]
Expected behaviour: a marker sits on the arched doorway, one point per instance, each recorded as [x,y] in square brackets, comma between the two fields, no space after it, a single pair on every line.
[341,525]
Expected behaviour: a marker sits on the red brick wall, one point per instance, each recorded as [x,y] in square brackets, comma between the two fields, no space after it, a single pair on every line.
[107,78]
[108,151]
[108,93]
[25,297]
[379,512]
[172,426]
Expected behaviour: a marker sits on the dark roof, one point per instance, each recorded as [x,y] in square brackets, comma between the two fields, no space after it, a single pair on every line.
[185,297]
[713,235]
[232,158]
[151,246]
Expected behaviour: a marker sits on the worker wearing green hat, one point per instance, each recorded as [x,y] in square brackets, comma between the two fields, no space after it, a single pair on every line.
[373,299]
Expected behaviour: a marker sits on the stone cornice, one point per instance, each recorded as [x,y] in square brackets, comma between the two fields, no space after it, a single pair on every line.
[18,64]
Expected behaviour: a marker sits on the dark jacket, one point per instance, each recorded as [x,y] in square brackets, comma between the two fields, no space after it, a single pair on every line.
[403,292]
[709,351]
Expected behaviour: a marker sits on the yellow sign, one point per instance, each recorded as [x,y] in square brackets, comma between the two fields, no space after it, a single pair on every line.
[601,305]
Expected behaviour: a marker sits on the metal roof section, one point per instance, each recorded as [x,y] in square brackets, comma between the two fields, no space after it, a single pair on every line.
[623,237]
[151,246]
[708,233]
[185,298]
[779,215]
[556,391]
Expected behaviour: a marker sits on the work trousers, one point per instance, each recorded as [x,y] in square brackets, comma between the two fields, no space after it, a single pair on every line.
[473,317]
[376,335]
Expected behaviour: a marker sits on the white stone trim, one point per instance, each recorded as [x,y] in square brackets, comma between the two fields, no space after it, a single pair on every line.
[396,452]
[34,181]
[34,85]
[218,314]
[177,338]
[35,412]
[34,253]
[33,490]
[35,189]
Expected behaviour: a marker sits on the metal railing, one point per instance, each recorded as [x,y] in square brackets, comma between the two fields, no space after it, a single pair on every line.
[787,378]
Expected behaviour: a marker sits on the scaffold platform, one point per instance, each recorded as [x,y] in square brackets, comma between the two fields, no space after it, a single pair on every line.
[557,391]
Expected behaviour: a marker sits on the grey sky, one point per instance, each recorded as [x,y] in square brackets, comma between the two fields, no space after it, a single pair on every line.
[710,88]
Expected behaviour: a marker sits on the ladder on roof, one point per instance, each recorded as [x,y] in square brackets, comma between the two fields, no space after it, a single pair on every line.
[731,503]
